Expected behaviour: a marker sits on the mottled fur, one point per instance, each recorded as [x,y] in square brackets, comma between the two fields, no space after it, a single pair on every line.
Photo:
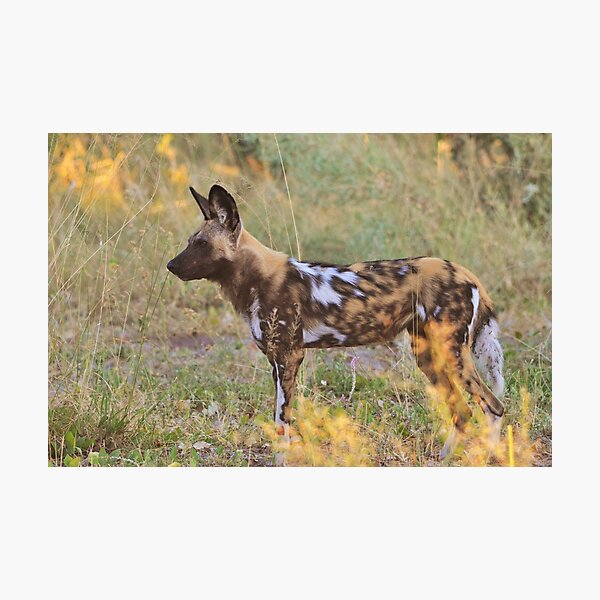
[292,305]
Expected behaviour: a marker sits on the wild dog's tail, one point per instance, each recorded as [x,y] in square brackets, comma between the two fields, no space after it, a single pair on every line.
[488,354]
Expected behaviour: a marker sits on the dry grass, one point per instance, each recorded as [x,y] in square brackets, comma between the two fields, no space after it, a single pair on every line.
[144,369]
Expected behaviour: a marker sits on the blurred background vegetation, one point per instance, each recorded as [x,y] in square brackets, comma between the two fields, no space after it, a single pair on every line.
[147,370]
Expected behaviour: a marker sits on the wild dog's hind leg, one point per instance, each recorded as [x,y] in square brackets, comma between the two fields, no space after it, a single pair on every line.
[468,378]
[437,370]
[285,369]
[452,357]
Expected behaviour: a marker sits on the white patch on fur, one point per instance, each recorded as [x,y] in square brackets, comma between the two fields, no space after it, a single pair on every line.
[489,357]
[254,320]
[304,268]
[421,312]
[320,277]
[347,276]
[314,334]
[282,322]
[352,278]
[436,311]
[280,399]
[402,271]
[475,301]
[324,293]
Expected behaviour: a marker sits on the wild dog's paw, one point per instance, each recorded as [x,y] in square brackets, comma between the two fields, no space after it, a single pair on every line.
[280,459]
[450,446]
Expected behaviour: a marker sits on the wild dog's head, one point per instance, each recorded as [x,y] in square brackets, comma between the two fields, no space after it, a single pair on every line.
[210,250]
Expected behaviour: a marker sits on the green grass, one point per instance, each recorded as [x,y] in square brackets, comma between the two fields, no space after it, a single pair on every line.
[147,370]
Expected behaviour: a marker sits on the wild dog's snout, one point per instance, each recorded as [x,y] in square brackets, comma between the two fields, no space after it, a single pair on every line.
[177,268]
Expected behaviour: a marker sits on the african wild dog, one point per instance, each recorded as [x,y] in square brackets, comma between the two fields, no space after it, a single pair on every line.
[292,305]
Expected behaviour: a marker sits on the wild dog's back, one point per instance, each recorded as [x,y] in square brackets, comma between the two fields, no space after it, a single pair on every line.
[369,302]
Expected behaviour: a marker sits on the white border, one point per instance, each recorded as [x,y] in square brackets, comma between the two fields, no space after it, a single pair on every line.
[514,66]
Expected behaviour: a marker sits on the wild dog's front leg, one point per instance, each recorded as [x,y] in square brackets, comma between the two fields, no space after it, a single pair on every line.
[285,369]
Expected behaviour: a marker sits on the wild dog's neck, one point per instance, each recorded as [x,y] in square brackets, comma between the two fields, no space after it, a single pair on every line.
[255,269]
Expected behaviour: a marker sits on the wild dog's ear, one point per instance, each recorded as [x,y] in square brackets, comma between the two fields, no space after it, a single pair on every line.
[203,203]
[223,206]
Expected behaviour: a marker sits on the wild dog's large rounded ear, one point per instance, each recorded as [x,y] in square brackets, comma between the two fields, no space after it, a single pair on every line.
[203,203]
[223,206]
